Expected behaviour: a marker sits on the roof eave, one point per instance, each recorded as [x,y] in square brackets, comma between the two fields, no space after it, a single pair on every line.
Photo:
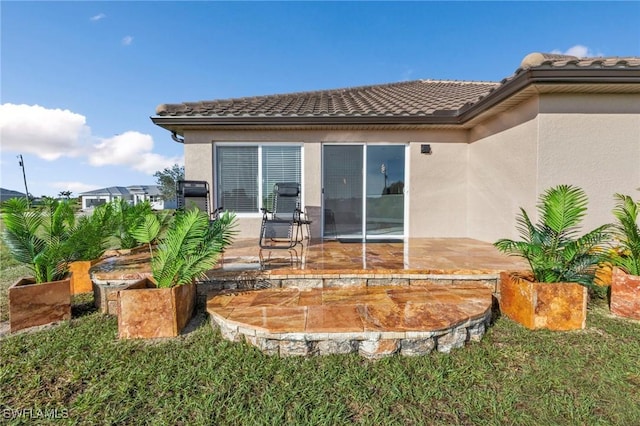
[548,77]
[177,123]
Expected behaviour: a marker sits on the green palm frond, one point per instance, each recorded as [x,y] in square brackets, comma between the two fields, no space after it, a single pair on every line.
[525,227]
[562,208]
[189,229]
[553,247]
[37,237]
[89,237]
[21,225]
[224,229]
[147,230]
[627,234]
[126,218]
[191,246]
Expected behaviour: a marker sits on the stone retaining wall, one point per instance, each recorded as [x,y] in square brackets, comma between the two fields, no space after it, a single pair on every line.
[247,280]
[371,345]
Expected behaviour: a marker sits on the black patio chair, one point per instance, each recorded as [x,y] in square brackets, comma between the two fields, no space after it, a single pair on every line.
[195,194]
[281,227]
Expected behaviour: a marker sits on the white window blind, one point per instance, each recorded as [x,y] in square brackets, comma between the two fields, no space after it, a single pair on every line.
[239,174]
[238,178]
[279,164]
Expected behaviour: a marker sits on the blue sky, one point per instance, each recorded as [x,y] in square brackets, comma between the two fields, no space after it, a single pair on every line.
[79,80]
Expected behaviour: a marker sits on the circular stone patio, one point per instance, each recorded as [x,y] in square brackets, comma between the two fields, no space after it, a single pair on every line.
[374,321]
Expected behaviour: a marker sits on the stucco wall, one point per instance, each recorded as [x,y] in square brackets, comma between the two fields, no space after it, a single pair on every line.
[198,157]
[502,172]
[592,141]
[438,186]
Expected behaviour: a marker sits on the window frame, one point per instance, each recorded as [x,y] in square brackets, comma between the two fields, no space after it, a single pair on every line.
[259,146]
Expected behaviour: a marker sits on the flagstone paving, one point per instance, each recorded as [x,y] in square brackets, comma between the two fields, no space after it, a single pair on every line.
[374,321]
[434,255]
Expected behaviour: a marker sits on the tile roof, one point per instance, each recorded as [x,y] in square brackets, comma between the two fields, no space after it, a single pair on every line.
[129,190]
[550,60]
[410,98]
[112,190]
[144,189]
[414,99]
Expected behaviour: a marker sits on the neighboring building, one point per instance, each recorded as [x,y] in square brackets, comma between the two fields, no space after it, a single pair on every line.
[134,194]
[424,158]
[6,194]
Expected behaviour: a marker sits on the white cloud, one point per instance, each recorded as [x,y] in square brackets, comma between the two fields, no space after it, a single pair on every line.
[578,50]
[75,187]
[127,40]
[407,74]
[98,17]
[47,133]
[132,149]
[54,133]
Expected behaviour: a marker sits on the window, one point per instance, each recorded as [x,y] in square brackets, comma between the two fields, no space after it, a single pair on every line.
[241,168]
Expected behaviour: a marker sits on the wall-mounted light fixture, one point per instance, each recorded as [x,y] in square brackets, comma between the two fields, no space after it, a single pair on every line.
[425,149]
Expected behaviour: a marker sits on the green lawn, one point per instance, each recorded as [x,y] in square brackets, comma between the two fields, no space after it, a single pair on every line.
[81,372]
[514,376]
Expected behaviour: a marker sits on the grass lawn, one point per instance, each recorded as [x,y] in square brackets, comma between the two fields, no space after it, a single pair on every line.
[79,372]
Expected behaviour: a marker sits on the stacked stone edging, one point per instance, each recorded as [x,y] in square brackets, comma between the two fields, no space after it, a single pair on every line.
[247,280]
[371,345]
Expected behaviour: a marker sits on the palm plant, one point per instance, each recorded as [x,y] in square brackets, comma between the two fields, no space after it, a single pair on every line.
[553,247]
[627,233]
[148,230]
[190,248]
[127,217]
[36,237]
[90,236]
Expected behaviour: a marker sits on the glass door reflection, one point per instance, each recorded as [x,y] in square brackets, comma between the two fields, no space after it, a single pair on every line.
[385,167]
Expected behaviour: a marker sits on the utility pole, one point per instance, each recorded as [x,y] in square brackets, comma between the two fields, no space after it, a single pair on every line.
[24,176]
[383,170]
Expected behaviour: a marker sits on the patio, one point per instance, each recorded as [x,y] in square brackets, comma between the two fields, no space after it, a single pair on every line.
[336,264]
[376,299]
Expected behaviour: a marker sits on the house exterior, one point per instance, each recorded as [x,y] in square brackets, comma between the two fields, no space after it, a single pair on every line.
[134,194]
[426,158]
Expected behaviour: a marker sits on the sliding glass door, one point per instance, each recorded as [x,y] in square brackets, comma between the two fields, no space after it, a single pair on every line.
[385,191]
[342,189]
[363,191]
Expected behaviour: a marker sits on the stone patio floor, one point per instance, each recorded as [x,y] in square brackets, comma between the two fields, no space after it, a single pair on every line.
[434,255]
[374,321]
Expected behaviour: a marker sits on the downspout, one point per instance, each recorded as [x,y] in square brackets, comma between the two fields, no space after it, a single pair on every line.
[176,138]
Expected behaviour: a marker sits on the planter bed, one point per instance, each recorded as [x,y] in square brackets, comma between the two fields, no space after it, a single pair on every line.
[146,312]
[32,304]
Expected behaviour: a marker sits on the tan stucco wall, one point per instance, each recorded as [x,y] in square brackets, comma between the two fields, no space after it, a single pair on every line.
[598,151]
[592,141]
[502,172]
[438,190]
[198,157]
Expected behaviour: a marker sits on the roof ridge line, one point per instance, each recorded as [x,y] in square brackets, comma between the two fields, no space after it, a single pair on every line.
[432,80]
